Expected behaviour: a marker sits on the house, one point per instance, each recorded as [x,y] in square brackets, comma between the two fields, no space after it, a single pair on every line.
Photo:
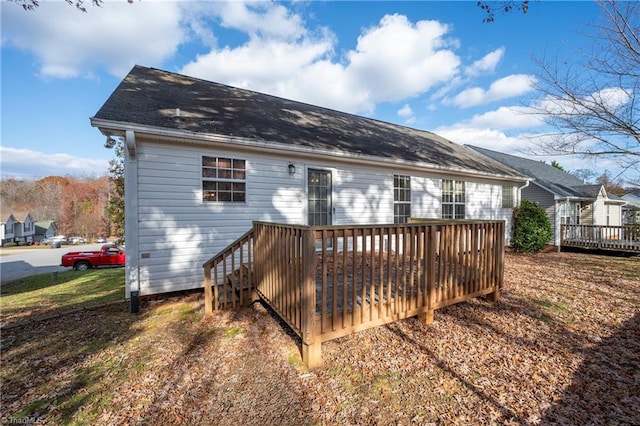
[28,229]
[16,231]
[13,229]
[564,197]
[631,211]
[203,160]
[45,229]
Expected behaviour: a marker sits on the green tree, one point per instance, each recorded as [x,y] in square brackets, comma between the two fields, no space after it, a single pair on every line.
[531,228]
[557,165]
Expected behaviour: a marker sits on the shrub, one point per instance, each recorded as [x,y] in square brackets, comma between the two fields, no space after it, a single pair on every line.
[531,228]
[10,245]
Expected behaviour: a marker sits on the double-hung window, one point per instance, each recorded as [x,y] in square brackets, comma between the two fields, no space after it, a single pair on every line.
[401,198]
[507,197]
[453,199]
[223,180]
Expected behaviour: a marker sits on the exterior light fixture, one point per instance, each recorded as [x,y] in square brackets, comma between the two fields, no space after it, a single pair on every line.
[292,169]
[110,142]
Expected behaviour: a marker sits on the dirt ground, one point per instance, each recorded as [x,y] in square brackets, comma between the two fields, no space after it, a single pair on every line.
[561,346]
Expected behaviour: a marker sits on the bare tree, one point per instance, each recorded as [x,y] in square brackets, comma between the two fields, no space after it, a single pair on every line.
[592,98]
[79,4]
[493,7]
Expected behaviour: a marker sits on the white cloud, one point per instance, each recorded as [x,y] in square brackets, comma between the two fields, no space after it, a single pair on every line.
[399,59]
[262,18]
[117,35]
[393,60]
[26,163]
[504,88]
[506,118]
[407,114]
[487,64]
[405,111]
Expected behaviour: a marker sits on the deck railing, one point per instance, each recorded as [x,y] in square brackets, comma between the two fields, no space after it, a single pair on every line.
[601,237]
[331,281]
[229,277]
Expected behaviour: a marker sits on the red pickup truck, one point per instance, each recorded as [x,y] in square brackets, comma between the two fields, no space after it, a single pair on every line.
[109,255]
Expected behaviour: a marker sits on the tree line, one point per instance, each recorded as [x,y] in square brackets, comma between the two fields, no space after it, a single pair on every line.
[79,206]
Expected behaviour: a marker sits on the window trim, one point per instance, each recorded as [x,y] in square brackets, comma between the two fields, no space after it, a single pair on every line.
[406,180]
[510,201]
[237,175]
[454,199]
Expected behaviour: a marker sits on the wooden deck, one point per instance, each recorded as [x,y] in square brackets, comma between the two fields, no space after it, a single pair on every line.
[599,237]
[328,282]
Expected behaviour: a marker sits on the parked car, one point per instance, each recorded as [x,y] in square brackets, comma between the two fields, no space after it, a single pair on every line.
[58,240]
[109,255]
[77,240]
[101,240]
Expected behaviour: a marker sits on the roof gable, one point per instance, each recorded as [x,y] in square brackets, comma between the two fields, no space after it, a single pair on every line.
[165,100]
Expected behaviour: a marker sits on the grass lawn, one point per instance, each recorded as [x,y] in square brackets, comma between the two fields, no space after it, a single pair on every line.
[561,346]
[52,294]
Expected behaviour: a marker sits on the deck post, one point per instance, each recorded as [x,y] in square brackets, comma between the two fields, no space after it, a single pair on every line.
[493,297]
[498,259]
[208,297]
[431,243]
[311,344]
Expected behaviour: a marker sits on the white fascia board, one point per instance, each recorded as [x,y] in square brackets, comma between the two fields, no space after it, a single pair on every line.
[181,136]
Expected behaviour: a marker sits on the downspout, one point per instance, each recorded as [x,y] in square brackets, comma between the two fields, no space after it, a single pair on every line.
[526,184]
[131,221]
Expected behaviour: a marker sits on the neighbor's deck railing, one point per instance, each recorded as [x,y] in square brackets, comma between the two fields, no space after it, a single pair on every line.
[602,237]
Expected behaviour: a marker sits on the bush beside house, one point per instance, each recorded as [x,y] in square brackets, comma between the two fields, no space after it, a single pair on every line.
[531,228]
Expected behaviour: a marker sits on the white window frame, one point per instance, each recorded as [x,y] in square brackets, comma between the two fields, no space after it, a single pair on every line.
[508,200]
[401,198]
[454,195]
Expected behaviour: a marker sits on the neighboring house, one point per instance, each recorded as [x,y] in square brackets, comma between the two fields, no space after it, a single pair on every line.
[203,160]
[45,229]
[631,211]
[13,228]
[28,229]
[17,231]
[564,197]
[2,229]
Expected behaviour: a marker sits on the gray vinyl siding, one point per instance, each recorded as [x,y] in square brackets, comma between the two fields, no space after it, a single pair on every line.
[177,232]
[546,200]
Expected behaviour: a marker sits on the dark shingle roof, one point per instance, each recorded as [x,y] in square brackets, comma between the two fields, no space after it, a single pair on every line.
[150,97]
[552,179]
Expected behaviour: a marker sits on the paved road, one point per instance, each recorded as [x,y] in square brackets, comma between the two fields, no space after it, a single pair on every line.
[21,263]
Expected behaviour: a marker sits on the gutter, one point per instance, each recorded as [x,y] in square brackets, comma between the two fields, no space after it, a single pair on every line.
[108,127]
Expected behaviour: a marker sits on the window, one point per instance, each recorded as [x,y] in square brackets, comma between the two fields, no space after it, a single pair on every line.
[507,196]
[223,179]
[570,213]
[453,199]
[401,198]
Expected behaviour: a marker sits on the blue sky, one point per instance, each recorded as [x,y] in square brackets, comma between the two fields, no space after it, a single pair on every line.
[425,64]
